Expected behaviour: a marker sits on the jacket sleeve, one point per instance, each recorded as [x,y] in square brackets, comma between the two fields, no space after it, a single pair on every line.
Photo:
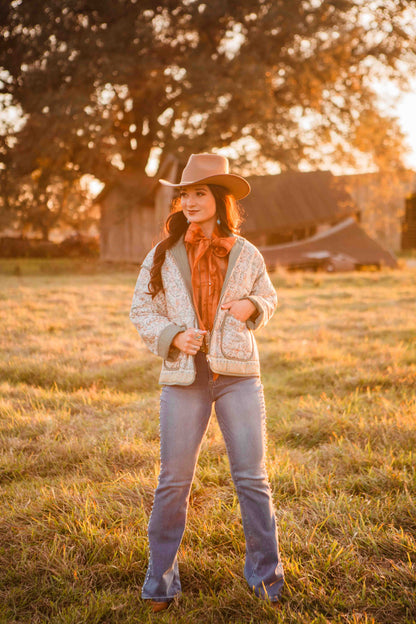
[150,316]
[264,297]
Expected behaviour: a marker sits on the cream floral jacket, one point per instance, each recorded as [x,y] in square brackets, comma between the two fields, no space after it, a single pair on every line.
[232,346]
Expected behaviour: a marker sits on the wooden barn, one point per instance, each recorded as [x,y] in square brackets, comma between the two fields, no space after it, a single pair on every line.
[281,209]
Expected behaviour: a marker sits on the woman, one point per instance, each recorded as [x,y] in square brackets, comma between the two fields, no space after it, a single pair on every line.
[199,296]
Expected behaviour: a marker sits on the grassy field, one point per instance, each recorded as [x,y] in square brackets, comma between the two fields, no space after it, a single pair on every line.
[79,455]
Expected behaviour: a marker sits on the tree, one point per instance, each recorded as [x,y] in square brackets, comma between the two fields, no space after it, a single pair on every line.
[50,196]
[105,82]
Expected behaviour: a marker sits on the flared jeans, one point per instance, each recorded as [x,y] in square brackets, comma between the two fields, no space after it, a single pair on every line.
[184,416]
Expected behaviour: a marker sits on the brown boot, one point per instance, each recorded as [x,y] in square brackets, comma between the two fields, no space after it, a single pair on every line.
[157,606]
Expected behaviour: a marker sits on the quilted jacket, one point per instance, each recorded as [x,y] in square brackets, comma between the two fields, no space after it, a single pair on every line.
[232,348]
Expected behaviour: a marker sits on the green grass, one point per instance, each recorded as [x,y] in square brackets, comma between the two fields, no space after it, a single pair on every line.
[79,454]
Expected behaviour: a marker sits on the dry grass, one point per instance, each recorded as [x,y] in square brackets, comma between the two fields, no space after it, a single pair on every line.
[79,455]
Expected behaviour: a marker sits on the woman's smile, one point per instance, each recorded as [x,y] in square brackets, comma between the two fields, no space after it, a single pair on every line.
[199,206]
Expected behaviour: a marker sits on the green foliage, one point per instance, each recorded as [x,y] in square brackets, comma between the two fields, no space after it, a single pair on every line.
[100,82]
[79,455]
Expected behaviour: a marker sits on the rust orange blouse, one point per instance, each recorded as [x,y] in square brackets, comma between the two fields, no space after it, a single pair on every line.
[208,259]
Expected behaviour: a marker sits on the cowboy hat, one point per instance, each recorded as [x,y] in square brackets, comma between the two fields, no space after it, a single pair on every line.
[211,169]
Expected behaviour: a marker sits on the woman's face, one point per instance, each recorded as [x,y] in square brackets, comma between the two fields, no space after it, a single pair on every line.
[198,205]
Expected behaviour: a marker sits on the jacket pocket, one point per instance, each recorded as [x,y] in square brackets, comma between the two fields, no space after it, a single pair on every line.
[173,364]
[237,342]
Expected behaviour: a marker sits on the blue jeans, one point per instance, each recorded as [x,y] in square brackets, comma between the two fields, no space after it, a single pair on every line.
[184,416]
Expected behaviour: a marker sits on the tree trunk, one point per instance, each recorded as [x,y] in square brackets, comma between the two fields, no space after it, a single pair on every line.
[45,233]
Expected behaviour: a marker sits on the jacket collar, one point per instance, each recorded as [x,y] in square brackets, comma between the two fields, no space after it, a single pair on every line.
[179,253]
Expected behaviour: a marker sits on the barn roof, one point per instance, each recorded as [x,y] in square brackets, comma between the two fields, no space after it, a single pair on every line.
[346,238]
[294,200]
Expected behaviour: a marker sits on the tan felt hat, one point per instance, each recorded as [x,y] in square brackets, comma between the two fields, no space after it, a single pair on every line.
[211,169]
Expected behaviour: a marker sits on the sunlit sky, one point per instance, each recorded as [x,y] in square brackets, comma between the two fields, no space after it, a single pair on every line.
[403,105]
[406,111]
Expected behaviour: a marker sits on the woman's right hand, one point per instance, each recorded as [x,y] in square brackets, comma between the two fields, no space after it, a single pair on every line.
[189,341]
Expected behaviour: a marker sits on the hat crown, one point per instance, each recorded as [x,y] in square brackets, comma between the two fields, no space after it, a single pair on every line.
[201,166]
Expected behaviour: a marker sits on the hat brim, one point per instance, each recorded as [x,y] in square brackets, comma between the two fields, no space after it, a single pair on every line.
[238,186]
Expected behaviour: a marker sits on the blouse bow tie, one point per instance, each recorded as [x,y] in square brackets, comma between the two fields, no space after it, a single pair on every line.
[220,245]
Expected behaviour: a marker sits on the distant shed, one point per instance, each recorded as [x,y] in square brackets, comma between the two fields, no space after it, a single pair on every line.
[345,246]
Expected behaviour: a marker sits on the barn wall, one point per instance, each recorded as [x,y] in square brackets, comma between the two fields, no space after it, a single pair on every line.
[128,231]
[141,233]
[163,199]
[127,234]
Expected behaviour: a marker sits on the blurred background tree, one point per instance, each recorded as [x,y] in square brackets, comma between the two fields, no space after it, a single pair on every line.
[106,86]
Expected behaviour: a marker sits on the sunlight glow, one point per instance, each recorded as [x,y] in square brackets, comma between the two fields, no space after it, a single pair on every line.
[406,111]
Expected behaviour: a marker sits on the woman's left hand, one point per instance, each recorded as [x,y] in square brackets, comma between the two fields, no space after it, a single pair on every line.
[241,309]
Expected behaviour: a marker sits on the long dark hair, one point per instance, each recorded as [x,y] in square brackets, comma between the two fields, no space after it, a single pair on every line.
[228,212]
